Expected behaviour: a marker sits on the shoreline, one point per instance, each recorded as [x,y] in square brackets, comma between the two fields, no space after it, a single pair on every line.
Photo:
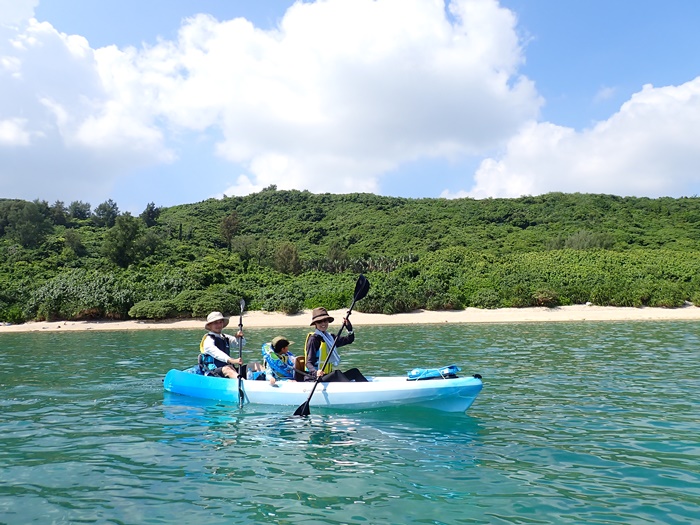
[259,319]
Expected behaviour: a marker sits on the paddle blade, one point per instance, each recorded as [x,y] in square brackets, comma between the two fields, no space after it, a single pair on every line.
[303,409]
[361,288]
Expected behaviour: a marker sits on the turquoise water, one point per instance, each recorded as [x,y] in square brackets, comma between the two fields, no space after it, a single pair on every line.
[577,423]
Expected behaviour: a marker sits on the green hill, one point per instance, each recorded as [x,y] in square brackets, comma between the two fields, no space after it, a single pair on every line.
[288,250]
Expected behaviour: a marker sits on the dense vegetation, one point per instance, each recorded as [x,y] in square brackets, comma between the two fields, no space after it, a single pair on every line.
[289,250]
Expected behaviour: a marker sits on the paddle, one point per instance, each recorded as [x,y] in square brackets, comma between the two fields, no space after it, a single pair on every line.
[240,354]
[361,289]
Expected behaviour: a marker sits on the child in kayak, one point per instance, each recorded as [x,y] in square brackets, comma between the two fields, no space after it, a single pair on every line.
[279,361]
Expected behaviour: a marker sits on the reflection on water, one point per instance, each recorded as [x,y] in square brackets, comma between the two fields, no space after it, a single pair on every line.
[577,423]
[305,468]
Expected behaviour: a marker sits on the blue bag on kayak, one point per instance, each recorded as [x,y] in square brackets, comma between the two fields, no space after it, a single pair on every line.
[446,372]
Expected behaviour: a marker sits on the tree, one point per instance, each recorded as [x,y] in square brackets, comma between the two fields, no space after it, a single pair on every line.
[43,208]
[120,242]
[59,213]
[229,228]
[287,259]
[263,252]
[8,210]
[150,215]
[106,214]
[147,244]
[337,258]
[74,242]
[28,226]
[79,210]
[245,246]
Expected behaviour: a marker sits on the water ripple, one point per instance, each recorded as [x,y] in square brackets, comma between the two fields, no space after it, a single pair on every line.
[577,423]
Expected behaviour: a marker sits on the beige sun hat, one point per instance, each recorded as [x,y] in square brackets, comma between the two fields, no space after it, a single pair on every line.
[215,316]
[279,342]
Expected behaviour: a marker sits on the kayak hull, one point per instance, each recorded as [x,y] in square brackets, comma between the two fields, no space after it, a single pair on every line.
[449,395]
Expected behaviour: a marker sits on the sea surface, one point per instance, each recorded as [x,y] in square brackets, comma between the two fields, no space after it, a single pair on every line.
[581,423]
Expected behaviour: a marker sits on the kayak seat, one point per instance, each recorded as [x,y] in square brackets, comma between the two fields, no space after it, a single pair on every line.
[300,368]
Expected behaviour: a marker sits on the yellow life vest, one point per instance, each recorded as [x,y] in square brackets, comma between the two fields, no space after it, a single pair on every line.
[322,354]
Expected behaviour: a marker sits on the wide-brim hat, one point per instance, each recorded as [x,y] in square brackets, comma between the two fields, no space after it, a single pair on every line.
[280,342]
[320,314]
[215,316]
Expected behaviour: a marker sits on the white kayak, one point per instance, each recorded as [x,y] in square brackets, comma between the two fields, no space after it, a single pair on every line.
[451,394]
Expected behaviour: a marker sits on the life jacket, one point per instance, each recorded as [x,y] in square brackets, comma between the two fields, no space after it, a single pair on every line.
[322,354]
[281,366]
[206,361]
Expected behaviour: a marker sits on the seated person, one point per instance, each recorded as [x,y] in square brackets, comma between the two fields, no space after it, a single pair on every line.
[319,343]
[215,349]
[279,362]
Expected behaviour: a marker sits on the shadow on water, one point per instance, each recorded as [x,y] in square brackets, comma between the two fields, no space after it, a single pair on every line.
[418,423]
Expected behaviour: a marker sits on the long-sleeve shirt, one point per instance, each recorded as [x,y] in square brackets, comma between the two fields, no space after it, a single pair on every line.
[210,348]
[313,345]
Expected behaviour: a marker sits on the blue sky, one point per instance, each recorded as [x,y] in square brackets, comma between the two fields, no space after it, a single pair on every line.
[153,102]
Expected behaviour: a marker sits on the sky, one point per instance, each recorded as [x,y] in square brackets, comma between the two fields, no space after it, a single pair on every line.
[175,101]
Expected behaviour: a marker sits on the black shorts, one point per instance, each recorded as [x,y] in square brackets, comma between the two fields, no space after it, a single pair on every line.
[218,372]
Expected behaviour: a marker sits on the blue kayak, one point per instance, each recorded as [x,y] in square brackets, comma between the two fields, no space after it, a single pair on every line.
[448,394]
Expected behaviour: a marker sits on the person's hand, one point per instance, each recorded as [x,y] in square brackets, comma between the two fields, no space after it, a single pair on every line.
[272,381]
[239,334]
[236,361]
[319,373]
[347,324]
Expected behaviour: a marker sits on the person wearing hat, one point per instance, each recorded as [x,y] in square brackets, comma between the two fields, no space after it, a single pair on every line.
[320,342]
[215,349]
[279,361]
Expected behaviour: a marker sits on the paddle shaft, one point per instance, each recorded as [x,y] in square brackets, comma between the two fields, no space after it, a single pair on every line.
[240,357]
[361,289]
[330,352]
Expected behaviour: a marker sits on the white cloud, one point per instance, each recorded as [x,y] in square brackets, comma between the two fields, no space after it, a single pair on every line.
[340,93]
[345,91]
[604,93]
[650,147]
[13,132]
[243,186]
[13,12]
[64,132]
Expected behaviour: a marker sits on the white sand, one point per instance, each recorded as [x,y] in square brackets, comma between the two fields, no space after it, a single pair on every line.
[469,315]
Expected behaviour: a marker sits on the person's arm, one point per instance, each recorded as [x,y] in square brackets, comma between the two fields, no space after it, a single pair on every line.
[233,339]
[233,344]
[346,339]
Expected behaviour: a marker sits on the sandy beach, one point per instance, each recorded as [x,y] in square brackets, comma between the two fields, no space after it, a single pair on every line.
[256,319]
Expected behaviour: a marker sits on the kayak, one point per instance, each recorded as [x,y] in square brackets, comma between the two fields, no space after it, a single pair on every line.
[449,394]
